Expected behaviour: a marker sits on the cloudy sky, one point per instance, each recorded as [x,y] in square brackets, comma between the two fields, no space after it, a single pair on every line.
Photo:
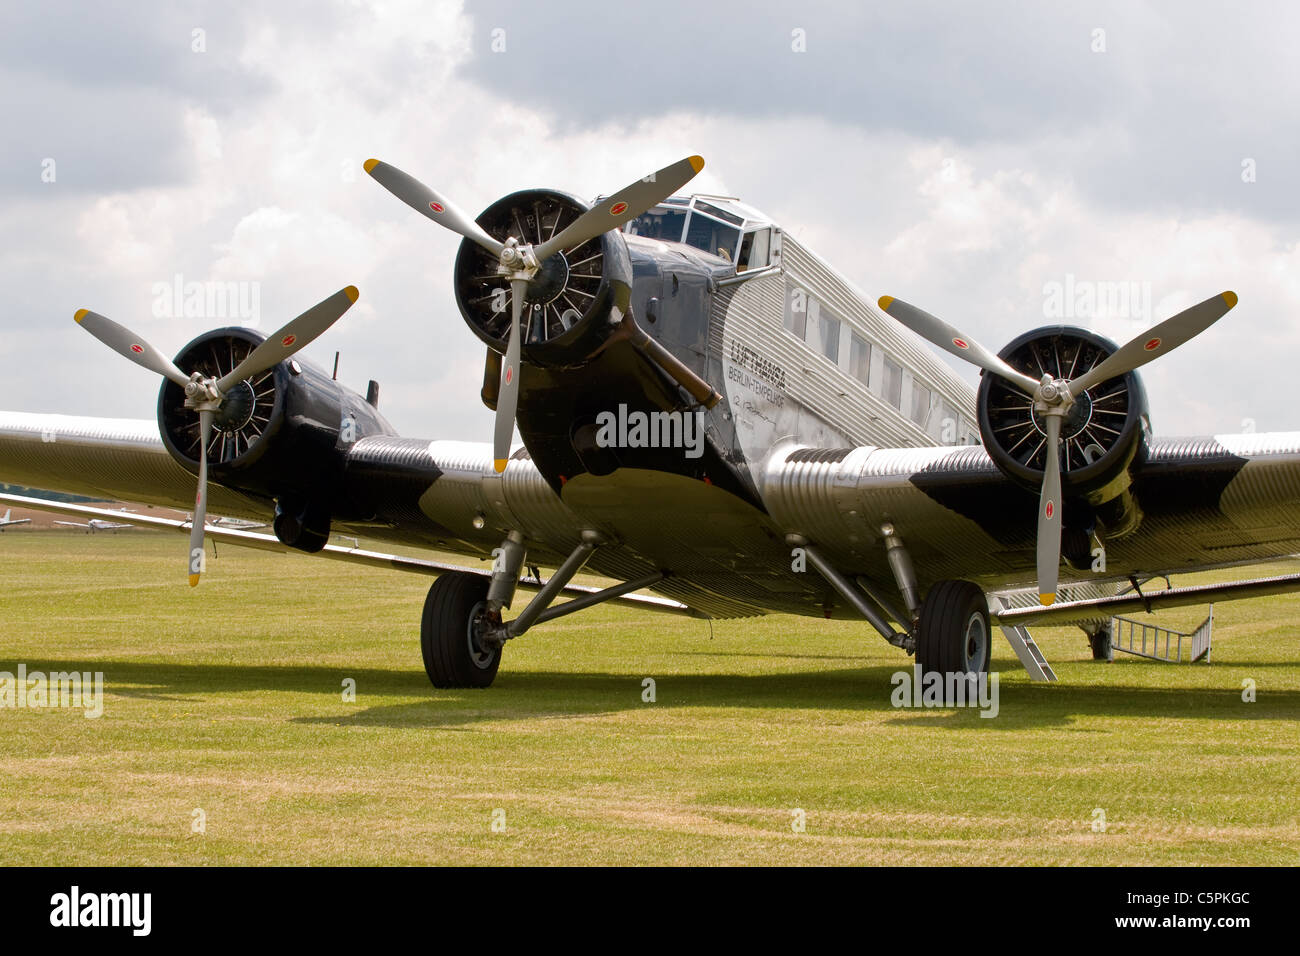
[967,157]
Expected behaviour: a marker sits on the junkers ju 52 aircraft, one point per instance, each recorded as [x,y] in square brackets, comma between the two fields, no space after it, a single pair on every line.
[710,412]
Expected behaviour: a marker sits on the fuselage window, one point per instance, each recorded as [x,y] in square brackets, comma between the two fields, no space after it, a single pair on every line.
[860,358]
[892,386]
[920,411]
[828,328]
[796,310]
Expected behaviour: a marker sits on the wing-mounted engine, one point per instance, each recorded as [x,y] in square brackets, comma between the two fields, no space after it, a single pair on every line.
[282,433]
[1057,386]
[567,304]
[1103,439]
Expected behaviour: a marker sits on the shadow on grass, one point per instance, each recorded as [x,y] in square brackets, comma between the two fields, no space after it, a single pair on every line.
[545,694]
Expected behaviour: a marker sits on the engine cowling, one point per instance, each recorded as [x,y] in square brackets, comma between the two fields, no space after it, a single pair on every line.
[568,306]
[282,436]
[1104,437]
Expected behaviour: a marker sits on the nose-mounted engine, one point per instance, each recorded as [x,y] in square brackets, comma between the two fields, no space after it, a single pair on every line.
[567,303]
[1103,435]
[538,274]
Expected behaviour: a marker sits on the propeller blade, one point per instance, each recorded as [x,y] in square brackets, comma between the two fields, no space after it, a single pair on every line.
[124,342]
[940,333]
[196,563]
[508,396]
[424,200]
[1155,342]
[624,206]
[1049,516]
[298,333]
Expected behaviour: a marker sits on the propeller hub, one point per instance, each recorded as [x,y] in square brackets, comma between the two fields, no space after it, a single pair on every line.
[236,409]
[1074,416]
[549,282]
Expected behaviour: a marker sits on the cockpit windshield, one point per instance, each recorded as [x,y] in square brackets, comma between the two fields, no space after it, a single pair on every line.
[714,237]
[662,224]
[706,226]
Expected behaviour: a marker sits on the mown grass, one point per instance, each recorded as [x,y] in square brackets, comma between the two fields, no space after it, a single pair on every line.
[229,699]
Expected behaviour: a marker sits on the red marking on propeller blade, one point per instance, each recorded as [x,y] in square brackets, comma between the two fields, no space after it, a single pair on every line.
[618,209]
[1152,345]
[137,349]
[510,374]
[961,343]
[288,340]
[1050,510]
[436,206]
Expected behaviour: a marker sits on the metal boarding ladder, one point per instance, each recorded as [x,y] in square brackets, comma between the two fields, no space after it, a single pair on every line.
[1031,657]
[1158,643]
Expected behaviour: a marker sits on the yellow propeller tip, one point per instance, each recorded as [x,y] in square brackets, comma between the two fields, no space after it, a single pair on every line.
[886,301]
[352,293]
[499,464]
[81,314]
[194,580]
[1046,599]
[1230,298]
[370,164]
[697,162]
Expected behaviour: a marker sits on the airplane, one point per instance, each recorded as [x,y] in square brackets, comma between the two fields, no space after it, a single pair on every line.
[95,524]
[7,521]
[711,412]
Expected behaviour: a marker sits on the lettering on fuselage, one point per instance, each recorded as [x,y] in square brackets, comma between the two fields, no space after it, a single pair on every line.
[757,373]
[762,366]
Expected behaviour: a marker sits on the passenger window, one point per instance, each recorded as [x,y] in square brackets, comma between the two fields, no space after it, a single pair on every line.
[828,328]
[920,411]
[892,386]
[859,358]
[796,310]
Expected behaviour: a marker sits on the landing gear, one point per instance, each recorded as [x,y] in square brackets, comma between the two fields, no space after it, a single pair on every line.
[1100,642]
[954,635]
[456,619]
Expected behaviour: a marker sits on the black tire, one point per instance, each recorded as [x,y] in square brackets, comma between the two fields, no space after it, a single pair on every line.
[452,656]
[954,636]
[1100,643]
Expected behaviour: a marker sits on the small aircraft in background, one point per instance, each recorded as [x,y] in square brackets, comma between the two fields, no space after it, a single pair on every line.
[239,524]
[6,521]
[95,524]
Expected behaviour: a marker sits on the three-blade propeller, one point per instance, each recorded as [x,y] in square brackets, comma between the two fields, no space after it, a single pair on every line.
[519,262]
[1053,398]
[206,394]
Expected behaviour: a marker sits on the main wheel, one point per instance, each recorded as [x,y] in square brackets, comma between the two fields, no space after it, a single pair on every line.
[1100,642]
[449,632]
[954,635]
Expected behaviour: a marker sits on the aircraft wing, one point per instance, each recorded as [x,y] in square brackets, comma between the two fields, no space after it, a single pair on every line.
[1205,503]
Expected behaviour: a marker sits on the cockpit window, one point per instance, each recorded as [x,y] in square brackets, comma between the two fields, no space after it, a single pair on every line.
[712,236]
[754,249]
[662,224]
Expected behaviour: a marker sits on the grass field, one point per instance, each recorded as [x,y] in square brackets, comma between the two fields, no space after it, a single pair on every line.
[228,699]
